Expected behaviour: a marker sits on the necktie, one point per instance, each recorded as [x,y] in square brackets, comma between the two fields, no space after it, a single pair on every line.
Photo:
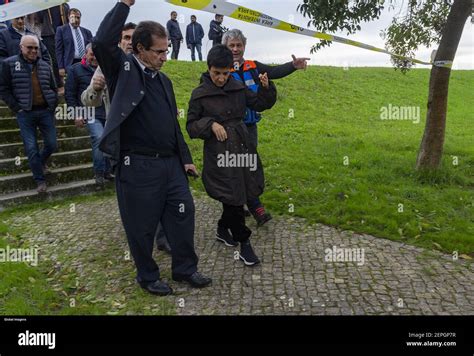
[80,45]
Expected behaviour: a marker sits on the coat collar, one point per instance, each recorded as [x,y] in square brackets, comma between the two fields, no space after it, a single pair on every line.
[208,88]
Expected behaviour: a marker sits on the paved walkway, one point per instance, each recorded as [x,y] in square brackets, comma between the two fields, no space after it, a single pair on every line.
[296,276]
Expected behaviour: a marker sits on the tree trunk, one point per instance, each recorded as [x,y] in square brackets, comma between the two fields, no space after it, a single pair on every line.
[431,150]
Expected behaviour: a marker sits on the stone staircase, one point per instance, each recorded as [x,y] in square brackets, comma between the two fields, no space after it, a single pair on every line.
[71,167]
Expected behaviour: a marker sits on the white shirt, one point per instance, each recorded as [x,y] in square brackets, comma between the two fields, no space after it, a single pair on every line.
[77,55]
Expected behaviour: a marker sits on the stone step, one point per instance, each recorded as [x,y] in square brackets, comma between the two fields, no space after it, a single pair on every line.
[24,181]
[13,136]
[9,123]
[5,111]
[11,150]
[58,160]
[54,192]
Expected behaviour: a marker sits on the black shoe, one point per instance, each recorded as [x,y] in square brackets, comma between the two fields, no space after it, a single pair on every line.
[196,280]
[109,177]
[223,235]
[247,255]
[261,216]
[157,288]
[164,246]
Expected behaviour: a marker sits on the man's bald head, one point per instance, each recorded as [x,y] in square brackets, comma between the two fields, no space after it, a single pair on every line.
[29,39]
[30,47]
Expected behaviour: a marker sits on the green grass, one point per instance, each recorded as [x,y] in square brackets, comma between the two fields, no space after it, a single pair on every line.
[337,114]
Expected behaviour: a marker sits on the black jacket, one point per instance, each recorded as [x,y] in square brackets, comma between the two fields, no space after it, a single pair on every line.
[227,106]
[16,88]
[126,83]
[215,32]
[196,36]
[174,31]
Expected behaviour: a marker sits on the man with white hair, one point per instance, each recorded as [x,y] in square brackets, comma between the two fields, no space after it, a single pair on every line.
[28,87]
[248,72]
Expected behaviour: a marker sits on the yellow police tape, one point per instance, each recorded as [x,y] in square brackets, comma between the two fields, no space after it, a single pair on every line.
[248,15]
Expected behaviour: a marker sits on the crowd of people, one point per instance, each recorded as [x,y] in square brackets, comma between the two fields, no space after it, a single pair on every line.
[135,134]
[194,34]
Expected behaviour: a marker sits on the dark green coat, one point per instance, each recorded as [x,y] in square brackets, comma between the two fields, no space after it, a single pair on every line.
[227,106]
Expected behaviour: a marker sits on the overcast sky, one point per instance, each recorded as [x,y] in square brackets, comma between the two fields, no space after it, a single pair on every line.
[273,46]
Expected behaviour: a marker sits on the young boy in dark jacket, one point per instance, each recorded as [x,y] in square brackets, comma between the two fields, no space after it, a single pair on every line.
[232,171]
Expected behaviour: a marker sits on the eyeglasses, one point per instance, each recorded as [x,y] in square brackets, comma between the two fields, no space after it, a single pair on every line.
[160,51]
[31,48]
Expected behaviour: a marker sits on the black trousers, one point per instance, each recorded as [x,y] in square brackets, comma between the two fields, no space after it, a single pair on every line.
[176,46]
[233,218]
[150,190]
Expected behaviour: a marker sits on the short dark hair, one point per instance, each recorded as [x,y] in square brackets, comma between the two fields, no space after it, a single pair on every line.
[129,26]
[77,11]
[218,15]
[193,16]
[173,12]
[144,34]
[220,57]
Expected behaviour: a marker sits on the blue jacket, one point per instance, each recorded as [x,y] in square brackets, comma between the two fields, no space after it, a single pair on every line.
[174,32]
[79,77]
[10,44]
[126,83]
[65,44]
[16,88]
[198,35]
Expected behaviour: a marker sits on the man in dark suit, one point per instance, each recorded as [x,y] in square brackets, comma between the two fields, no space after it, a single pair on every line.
[144,141]
[71,42]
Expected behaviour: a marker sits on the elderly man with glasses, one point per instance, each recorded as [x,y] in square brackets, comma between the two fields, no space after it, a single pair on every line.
[144,140]
[28,87]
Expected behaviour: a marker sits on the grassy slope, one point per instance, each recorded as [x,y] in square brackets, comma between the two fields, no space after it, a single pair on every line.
[337,114]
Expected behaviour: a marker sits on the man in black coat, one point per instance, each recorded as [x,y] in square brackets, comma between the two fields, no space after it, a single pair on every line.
[143,138]
[216,30]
